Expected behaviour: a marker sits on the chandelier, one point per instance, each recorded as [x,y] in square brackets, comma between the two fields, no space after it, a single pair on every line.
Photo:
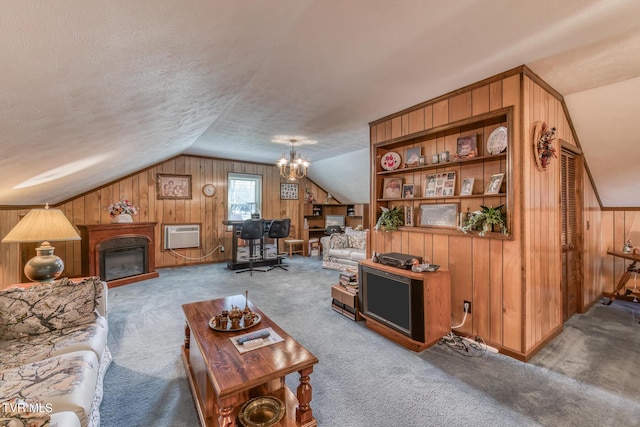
[295,166]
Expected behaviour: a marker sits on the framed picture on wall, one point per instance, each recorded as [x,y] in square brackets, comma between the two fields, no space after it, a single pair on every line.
[171,186]
[288,191]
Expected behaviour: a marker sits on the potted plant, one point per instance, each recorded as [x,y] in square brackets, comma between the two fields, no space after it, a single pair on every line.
[390,219]
[485,219]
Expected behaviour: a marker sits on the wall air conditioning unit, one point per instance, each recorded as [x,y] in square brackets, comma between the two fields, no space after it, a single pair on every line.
[181,236]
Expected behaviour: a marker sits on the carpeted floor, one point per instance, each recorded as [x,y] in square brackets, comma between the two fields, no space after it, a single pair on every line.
[585,377]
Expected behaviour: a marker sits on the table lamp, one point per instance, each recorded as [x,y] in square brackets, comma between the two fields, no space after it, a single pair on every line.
[43,225]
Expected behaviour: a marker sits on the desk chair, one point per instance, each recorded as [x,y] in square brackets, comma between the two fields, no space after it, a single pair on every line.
[252,230]
[292,243]
[279,229]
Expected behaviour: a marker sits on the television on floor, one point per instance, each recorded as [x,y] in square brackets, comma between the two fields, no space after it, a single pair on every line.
[393,300]
[334,221]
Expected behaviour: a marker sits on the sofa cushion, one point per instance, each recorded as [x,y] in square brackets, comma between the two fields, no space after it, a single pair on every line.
[67,382]
[357,255]
[340,253]
[92,336]
[357,238]
[19,412]
[338,241]
[46,307]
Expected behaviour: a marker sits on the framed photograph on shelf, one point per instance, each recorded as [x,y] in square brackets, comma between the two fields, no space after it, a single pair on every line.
[467,146]
[408,191]
[467,187]
[412,157]
[408,216]
[171,186]
[494,183]
[288,191]
[392,188]
[439,215]
[441,185]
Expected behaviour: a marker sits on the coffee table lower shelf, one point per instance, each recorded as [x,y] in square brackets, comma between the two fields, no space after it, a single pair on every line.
[203,407]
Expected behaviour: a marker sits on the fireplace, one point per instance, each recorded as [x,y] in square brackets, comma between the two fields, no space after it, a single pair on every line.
[119,253]
[122,257]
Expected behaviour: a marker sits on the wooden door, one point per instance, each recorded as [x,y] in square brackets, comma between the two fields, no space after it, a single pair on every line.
[571,277]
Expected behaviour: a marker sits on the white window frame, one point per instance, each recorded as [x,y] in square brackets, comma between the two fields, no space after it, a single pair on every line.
[234,198]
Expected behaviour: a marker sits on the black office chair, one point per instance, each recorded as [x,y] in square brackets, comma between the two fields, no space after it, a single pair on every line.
[279,229]
[252,230]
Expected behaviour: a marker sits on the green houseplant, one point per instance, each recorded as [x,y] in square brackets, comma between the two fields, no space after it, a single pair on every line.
[390,219]
[485,219]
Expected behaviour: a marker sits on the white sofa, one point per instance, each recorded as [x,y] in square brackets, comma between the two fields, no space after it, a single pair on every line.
[343,251]
[53,353]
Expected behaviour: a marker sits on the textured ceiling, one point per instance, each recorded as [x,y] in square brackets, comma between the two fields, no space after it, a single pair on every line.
[91,91]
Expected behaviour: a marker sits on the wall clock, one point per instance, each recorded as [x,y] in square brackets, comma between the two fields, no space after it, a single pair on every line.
[288,191]
[209,190]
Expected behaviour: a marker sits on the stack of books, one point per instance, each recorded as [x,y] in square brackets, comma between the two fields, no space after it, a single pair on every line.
[349,281]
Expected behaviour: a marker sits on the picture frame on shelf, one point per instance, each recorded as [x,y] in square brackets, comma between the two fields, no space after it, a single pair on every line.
[467,146]
[441,184]
[412,157]
[288,191]
[439,215]
[173,186]
[392,188]
[466,189]
[495,182]
[408,191]
[408,216]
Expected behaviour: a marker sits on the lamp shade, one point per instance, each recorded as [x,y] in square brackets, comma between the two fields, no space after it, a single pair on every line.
[42,224]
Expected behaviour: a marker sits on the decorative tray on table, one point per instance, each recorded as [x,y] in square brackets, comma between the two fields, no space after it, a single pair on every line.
[217,324]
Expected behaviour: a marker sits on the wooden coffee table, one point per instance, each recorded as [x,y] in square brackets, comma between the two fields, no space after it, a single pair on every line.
[222,379]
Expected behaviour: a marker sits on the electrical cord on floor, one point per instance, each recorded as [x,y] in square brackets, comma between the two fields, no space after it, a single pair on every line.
[196,259]
[465,346]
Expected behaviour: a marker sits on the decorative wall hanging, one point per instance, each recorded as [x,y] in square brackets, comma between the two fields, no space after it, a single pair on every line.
[288,191]
[173,186]
[543,149]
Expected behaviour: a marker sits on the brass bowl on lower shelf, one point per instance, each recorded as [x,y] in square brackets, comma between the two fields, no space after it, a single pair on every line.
[262,411]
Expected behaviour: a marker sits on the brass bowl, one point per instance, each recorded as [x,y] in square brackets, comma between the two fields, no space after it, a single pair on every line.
[262,411]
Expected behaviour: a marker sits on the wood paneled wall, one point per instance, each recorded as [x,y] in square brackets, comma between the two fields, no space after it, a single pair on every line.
[514,285]
[140,188]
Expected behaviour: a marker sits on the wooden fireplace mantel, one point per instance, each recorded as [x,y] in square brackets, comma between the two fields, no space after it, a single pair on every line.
[93,235]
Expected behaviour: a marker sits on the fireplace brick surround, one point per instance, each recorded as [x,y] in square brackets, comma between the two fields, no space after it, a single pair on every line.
[95,236]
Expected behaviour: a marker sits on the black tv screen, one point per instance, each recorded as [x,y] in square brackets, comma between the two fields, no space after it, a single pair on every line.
[394,300]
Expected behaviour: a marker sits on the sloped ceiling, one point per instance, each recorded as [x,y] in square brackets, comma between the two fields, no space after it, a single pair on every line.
[91,91]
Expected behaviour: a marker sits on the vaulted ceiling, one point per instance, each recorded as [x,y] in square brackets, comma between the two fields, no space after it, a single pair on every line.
[91,91]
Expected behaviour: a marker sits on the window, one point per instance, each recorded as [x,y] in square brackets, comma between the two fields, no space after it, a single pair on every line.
[244,195]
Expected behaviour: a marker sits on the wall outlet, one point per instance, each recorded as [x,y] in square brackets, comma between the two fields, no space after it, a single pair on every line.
[468,304]
[221,248]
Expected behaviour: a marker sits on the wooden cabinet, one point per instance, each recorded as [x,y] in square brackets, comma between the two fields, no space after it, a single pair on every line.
[423,300]
[418,183]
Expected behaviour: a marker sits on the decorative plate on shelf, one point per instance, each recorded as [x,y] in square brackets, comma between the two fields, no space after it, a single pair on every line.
[497,141]
[390,161]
